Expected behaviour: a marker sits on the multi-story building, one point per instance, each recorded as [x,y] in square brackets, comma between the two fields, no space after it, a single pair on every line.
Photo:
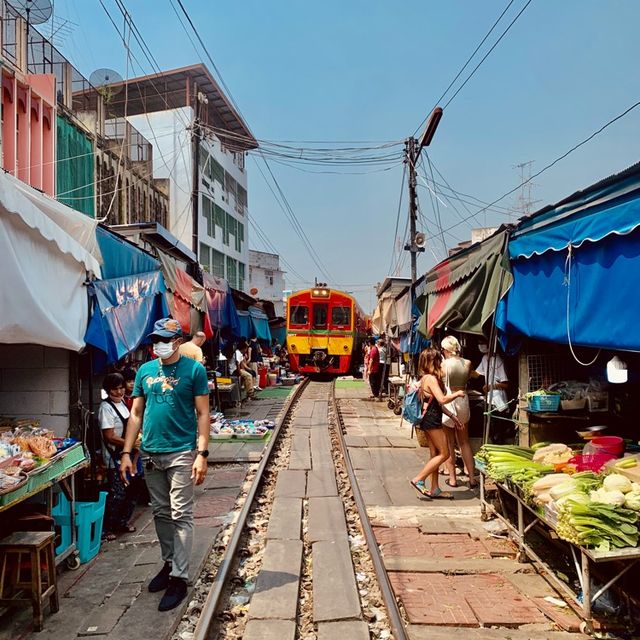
[56,135]
[168,109]
[266,279]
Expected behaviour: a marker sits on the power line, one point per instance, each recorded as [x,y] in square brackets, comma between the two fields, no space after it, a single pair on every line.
[395,233]
[558,159]
[495,24]
[504,33]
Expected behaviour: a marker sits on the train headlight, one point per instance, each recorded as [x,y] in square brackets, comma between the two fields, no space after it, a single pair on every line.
[346,347]
[293,347]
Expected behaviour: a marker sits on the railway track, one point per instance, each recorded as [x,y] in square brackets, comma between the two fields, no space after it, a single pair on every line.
[307,443]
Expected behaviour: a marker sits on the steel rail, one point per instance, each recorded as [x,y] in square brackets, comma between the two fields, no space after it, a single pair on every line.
[397,623]
[212,603]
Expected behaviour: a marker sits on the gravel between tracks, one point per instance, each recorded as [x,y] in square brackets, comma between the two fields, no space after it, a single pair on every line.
[231,620]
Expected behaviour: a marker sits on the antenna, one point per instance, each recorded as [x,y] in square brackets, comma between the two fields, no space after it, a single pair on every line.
[107,82]
[33,11]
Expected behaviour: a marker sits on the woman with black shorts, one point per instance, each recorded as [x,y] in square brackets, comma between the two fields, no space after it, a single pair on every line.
[432,391]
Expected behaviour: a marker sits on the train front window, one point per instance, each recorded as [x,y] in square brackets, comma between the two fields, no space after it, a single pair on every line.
[320,316]
[341,316]
[299,314]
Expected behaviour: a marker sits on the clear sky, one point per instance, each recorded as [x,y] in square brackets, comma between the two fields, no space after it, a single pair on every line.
[371,70]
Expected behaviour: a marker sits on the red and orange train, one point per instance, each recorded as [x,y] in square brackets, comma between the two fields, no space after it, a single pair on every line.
[326,330]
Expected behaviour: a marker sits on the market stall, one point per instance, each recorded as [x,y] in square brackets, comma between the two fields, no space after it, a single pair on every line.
[32,464]
[590,500]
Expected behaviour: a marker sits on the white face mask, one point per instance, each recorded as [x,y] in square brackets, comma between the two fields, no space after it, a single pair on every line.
[483,348]
[163,350]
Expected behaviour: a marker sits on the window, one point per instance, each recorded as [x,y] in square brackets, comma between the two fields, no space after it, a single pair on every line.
[205,257]
[217,263]
[232,276]
[217,172]
[239,236]
[241,268]
[220,217]
[299,315]
[208,213]
[341,316]
[320,316]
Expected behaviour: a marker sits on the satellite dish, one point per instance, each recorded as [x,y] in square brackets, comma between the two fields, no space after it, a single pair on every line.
[33,11]
[420,239]
[106,81]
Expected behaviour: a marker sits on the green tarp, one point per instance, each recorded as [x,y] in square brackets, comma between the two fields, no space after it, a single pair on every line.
[75,175]
[461,293]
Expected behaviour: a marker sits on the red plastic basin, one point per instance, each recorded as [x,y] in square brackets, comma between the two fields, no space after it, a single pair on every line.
[608,444]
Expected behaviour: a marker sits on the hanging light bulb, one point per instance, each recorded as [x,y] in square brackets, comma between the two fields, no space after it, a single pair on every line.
[617,371]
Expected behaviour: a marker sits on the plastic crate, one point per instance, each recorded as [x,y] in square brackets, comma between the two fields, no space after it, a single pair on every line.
[547,402]
[61,512]
[89,519]
[72,456]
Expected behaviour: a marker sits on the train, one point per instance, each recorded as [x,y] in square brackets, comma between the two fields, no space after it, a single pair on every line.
[326,330]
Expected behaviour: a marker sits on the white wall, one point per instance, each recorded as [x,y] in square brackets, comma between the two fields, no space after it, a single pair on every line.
[172,159]
[215,191]
[263,268]
[34,383]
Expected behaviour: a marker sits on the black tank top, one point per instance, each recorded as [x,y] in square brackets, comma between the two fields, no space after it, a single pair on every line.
[432,418]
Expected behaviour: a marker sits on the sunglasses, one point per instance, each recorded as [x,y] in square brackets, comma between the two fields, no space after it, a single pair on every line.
[156,339]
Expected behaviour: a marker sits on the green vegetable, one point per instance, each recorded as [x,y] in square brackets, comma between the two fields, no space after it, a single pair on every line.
[632,500]
[626,463]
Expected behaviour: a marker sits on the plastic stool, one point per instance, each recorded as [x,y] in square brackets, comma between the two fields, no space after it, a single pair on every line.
[38,545]
[61,512]
[89,519]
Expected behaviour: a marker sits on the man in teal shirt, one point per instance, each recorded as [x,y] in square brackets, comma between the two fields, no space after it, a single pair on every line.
[171,397]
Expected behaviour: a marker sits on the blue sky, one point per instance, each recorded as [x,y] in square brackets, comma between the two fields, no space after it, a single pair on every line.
[372,70]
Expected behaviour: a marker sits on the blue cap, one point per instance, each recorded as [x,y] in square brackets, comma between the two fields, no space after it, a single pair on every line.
[167,328]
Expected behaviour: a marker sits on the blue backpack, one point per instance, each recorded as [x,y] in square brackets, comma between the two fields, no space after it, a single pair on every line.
[412,407]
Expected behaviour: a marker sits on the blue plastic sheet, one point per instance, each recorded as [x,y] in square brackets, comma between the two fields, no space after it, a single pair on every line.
[222,310]
[121,258]
[260,324]
[602,310]
[124,313]
[246,326]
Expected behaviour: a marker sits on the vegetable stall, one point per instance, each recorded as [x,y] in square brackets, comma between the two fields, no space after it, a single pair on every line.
[588,499]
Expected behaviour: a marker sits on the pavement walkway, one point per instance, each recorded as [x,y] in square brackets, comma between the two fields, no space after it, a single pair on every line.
[452,577]
[107,598]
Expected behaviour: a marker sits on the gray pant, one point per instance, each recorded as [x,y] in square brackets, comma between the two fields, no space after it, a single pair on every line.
[171,490]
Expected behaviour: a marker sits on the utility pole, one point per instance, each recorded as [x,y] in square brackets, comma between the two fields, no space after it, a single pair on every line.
[412,150]
[411,158]
[196,138]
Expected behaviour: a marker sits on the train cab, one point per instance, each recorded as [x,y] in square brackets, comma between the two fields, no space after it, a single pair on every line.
[325,329]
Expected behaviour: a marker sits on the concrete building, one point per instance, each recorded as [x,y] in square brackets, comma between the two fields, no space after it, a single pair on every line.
[266,279]
[163,109]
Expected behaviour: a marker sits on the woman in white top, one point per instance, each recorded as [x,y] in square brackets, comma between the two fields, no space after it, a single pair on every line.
[456,374]
[113,416]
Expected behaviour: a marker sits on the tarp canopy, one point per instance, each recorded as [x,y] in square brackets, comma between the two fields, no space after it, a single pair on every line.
[260,323]
[462,292]
[186,298]
[46,249]
[125,311]
[121,258]
[222,311]
[384,317]
[575,266]
[246,326]
[403,311]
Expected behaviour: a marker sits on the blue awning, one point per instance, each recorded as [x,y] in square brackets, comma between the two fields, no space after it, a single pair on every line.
[588,216]
[260,323]
[121,258]
[246,327]
[575,266]
[124,313]
[222,310]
